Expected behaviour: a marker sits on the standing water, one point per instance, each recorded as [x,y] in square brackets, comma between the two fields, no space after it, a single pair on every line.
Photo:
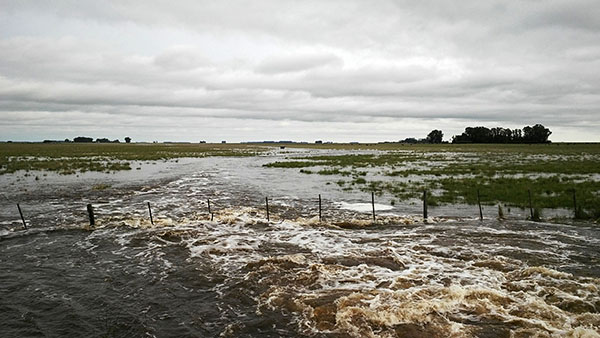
[241,276]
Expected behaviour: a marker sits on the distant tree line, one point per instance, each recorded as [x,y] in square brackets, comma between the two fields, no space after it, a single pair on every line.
[535,134]
[83,139]
[435,136]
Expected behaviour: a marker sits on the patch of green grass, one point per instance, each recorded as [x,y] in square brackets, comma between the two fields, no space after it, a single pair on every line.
[360,180]
[549,192]
[546,192]
[502,172]
[292,164]
[495,165]
[333,171]
[550,149]
[101,187]
[69,158]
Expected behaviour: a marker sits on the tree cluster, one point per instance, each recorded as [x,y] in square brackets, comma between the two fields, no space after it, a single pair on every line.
[535,134]
[435,136]
[82,139]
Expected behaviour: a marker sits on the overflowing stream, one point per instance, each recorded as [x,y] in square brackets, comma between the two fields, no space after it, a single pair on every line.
[232,273]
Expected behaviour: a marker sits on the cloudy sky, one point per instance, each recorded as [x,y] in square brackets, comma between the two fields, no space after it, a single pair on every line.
[296,70]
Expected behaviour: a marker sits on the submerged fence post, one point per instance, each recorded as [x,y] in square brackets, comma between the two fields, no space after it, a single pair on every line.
[150,211]
[90,211]
[425,205]
[479,203]
[373,204]
[320,215]
[530,205]
[267,204]
[22,218]
[208,202]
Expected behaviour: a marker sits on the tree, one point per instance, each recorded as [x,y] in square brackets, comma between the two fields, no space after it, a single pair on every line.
[479,134]
[536,134]
[82,139]
[127,139]
[435,136]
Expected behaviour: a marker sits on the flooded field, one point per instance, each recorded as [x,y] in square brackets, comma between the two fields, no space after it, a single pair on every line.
[238,275]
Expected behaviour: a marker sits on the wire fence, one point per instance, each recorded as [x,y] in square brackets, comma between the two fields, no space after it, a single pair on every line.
[210,210]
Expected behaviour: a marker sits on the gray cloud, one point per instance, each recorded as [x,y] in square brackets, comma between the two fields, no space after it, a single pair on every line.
[296,65]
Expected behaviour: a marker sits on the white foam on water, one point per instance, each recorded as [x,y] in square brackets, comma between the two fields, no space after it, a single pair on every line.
[363,207]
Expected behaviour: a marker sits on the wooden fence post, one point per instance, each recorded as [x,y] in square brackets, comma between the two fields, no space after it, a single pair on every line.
[90,211]
[267,204]
[22,218]
[575,205]
[425,205]
[320,214]
[530,204]
[150,211]
[479,203]
[373,204]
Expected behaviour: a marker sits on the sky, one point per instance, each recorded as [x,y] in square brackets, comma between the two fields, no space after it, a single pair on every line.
[332,70]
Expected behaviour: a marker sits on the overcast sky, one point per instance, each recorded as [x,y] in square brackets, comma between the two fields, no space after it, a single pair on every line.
[296,70]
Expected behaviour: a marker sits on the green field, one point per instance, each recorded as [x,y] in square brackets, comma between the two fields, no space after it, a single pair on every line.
[453,174]
[553,173]
[70,158]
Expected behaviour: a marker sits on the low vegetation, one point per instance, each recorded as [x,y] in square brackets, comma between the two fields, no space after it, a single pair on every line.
[554,173]
[69,158]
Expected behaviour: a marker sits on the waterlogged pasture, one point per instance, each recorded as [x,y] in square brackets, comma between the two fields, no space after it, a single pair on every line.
[71,158]
[503,174]
[232,273]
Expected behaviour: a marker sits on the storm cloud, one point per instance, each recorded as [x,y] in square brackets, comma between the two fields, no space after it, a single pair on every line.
[333,70]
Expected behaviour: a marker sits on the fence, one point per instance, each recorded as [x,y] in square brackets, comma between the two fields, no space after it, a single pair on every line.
[533,215]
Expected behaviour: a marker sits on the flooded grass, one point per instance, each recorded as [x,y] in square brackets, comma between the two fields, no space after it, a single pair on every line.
[548,149]
[452,173]
[297,275]
[551,192]
[502,173]
[68,158]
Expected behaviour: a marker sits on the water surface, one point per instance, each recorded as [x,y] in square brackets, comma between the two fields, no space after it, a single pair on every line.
[241,276]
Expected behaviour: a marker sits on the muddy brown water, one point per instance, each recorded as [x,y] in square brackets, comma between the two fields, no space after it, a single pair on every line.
[239,276]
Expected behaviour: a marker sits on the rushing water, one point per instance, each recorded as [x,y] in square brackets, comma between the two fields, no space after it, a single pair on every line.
[240,276]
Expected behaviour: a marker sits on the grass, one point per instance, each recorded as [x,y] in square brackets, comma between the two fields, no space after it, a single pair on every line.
[547,192]
[550,149]
[69,158]
[454,173]
[502,173]
[292,164]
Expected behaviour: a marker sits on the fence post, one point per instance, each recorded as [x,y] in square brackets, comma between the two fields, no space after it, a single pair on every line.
[425,205]
[530,205]
[479,203]
[267,204]
[22,218]
[373,204]
[320,214]
[90,211]
[150,211]
[575,205]
[208,201]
